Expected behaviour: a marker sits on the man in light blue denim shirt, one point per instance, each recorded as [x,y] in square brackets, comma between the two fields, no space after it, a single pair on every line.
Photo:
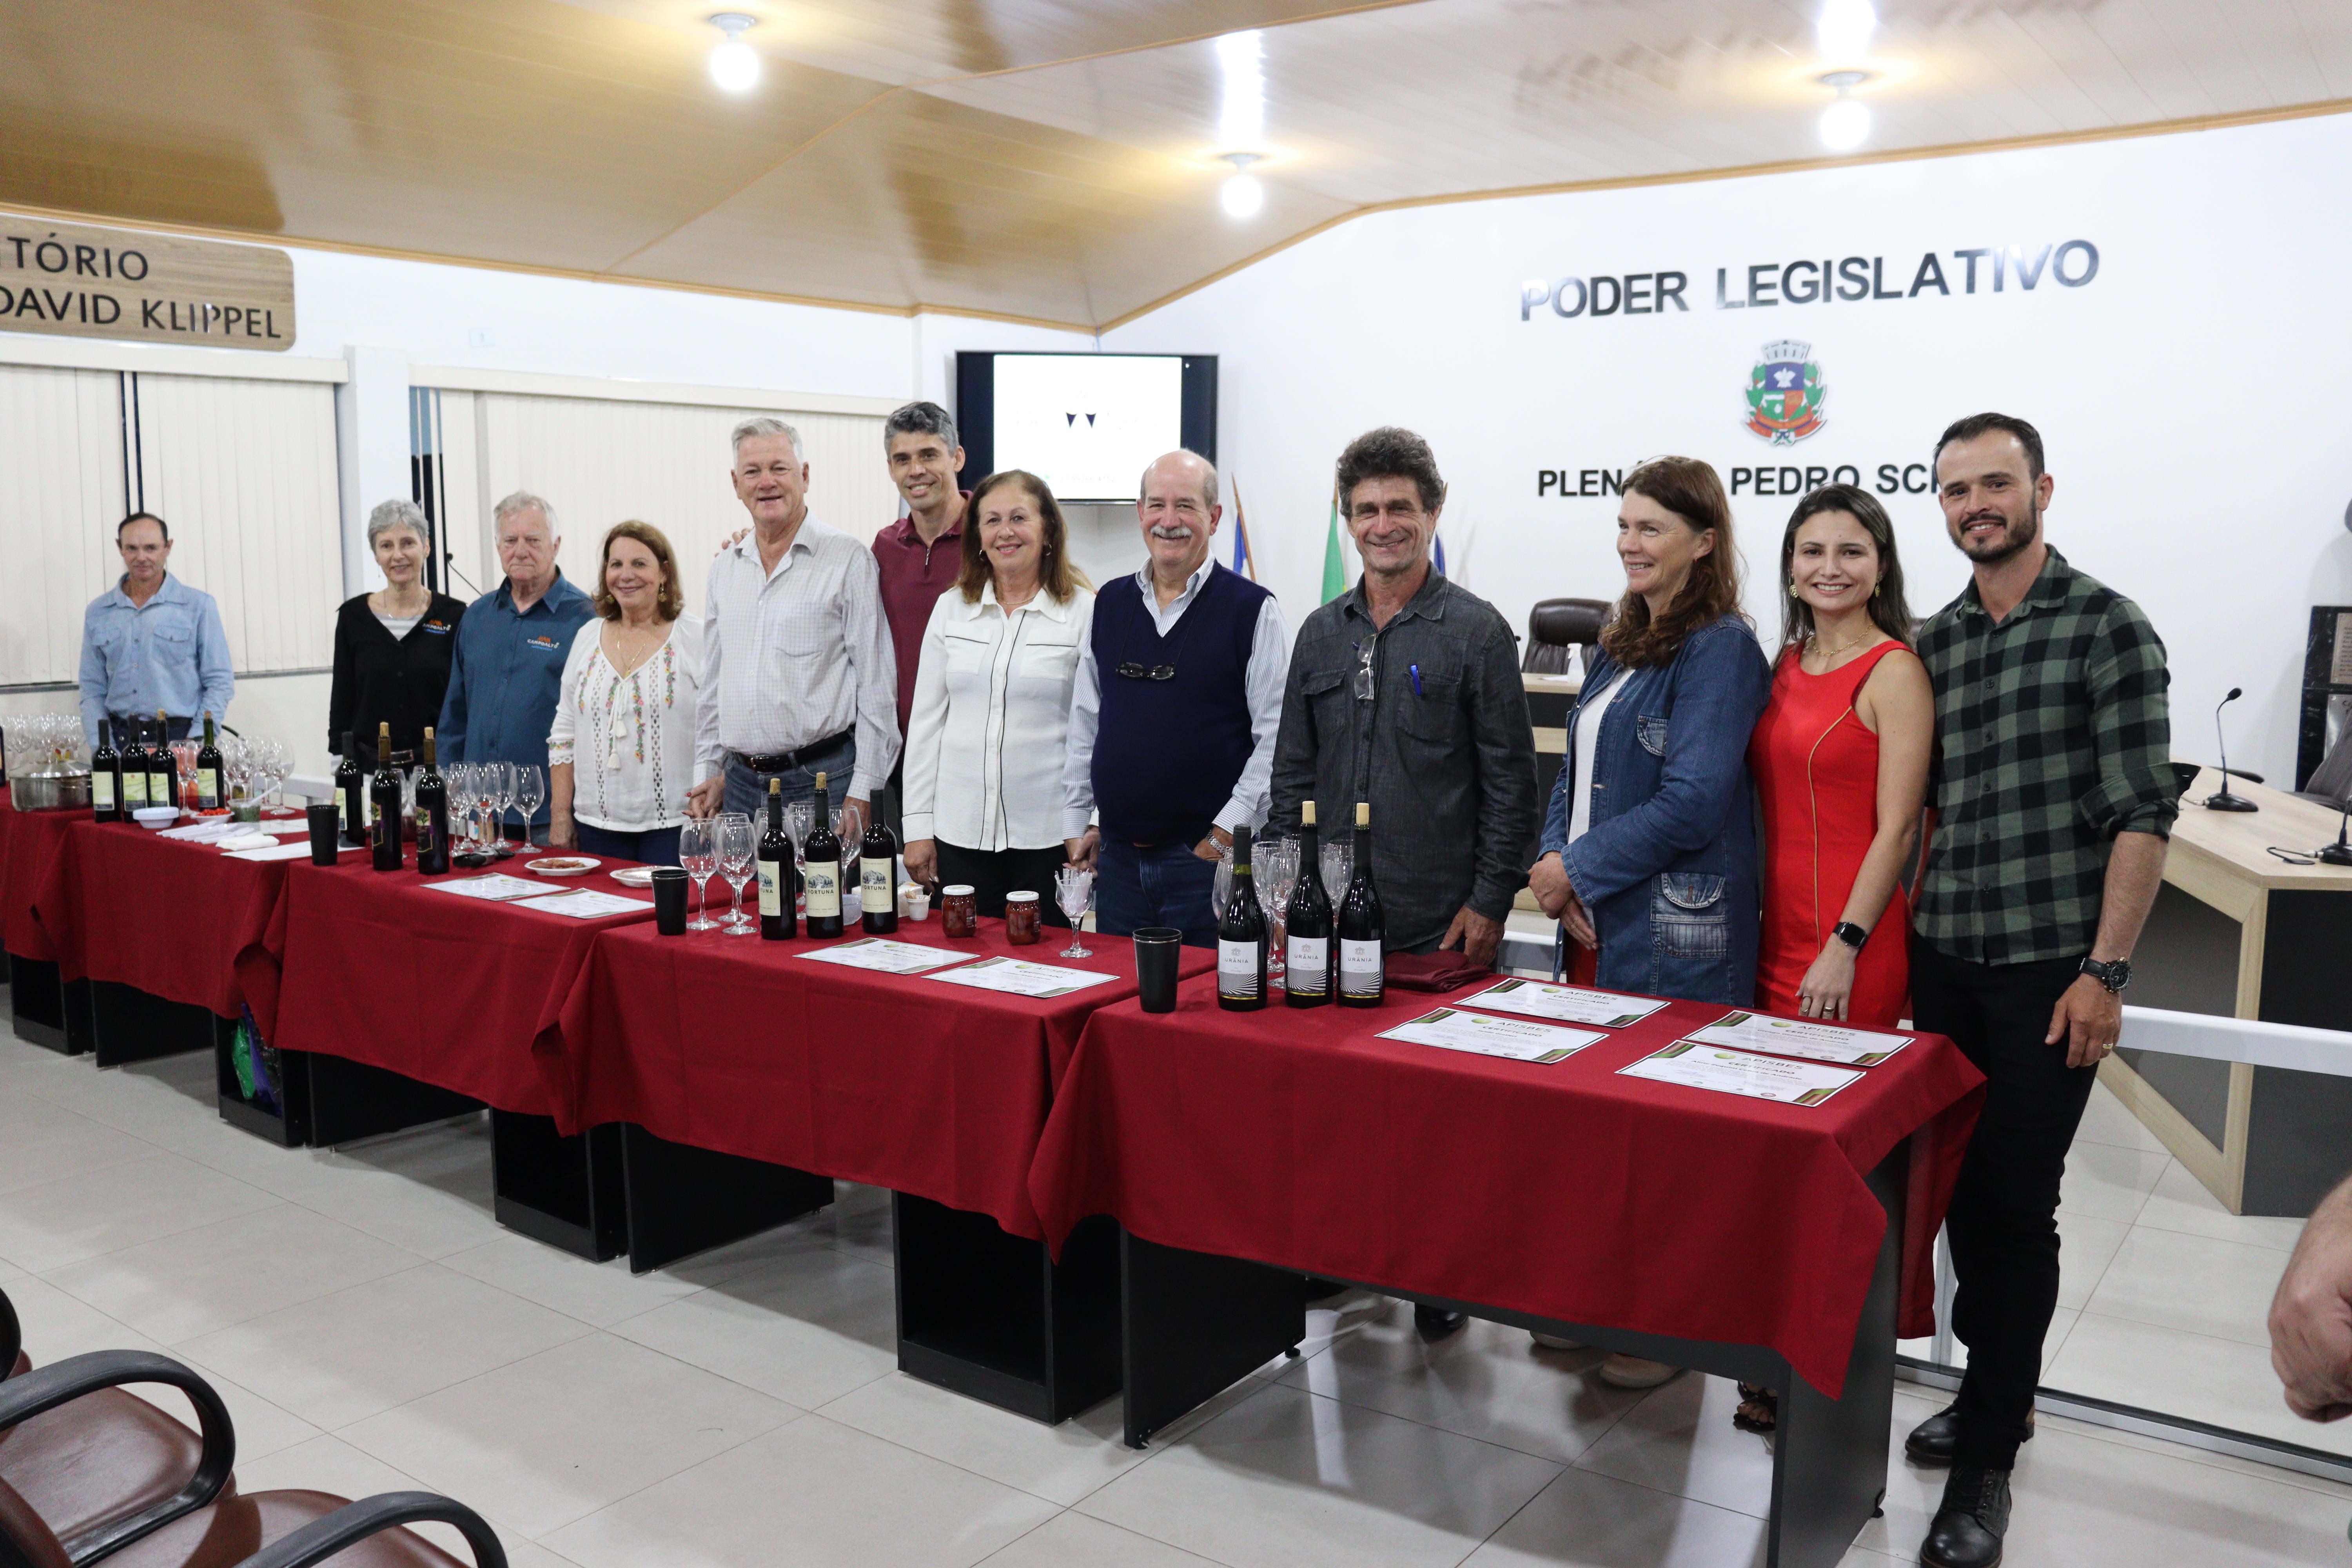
[151,641]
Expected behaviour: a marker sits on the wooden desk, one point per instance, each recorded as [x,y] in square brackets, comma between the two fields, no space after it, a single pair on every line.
[2238,933]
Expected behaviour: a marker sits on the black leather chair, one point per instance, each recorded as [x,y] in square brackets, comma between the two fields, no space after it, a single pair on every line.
[1562,634]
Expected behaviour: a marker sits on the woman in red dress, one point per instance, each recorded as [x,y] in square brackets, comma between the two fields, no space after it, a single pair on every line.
[1840,760]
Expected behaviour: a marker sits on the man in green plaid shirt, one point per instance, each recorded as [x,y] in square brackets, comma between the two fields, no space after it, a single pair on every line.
[2054,797]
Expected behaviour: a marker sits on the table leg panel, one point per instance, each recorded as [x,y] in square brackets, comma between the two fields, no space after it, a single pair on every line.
[129,1024]
[350,1100]
[1193,1323]
[682,1200]
[568,1193]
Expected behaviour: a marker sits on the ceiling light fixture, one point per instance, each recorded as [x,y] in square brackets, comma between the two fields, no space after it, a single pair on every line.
[1845,124]
[734,65]
[1243,195]
[1844,30]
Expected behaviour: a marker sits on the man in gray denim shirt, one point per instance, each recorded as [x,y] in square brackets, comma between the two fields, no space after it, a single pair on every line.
[1404,691]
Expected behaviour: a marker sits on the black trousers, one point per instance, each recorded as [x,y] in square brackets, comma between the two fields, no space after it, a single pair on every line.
[992,873]
[2003,1222]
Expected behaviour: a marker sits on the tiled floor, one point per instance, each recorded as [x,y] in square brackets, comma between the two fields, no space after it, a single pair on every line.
[373,1327]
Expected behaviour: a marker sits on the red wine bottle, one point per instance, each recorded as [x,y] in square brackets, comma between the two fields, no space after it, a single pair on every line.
[384,806]
[822,854]
[134,770]
[1363,929]
[105,778]
[777,920]
[208,769]
[877,880]
[1242,938]
[351,797]
[1307,925]
[163,766]
[431,816]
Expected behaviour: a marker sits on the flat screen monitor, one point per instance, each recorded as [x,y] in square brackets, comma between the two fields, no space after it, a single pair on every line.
[1086,424]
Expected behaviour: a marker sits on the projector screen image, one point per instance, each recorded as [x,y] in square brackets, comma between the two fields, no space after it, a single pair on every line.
[1086,424]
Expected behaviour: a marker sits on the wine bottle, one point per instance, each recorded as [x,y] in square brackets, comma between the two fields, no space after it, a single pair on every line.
[1241,938]
[384,806]
[823,853]
[431,816]
[775,856]
[105,778]
[350,800]
[1362,982]
[208,769]
[134,771]
[877,880]
[163,766]
[1307,957]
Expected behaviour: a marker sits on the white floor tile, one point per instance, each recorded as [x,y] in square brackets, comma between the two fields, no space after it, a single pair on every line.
[2222,1381]
[346,1356]
[1061,1463]
[190,1283]
[813,1493]
[2191,1283]
[1588,1521]
[53,1143]
[1680,1440]
[2179,1202]
[540,1442]
[598,1293]
[1288,1479]
[64,1221]
[1074,1541]
[262,1428]
[2109,1182]
[328,1464]
[805,1328]
[56,1325]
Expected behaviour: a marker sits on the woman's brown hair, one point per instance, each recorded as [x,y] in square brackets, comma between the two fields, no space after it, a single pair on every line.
[1056,575]
[669,604]
[1693,491]
[1889,611]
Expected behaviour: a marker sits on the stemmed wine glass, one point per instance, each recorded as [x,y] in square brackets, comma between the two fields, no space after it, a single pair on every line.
[1338,868]
[849,827]
[1221,886]
[494,784]
[459,777]
[1277,867]
[697,852]
[531,788]
[736,844]
[800,820]
[1074,889]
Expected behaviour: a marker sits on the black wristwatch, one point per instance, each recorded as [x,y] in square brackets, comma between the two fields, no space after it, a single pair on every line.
[1851,934]
[2114,974]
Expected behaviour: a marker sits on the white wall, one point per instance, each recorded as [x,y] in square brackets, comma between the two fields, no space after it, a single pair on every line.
[2192,396]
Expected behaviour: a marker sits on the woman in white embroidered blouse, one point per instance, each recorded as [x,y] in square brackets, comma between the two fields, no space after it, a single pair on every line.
[985,740]
[620,754]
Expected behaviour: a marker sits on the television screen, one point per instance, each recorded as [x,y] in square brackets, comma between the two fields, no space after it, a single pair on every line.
[1086,424]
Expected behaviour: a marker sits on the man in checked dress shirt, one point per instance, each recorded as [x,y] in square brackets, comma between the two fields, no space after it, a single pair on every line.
[798,678]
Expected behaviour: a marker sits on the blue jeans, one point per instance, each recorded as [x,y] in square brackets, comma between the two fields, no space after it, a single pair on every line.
[747,792]
[656,846]
[1165,885]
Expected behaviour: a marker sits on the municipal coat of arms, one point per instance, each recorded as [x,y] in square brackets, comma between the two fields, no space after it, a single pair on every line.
[1784,394]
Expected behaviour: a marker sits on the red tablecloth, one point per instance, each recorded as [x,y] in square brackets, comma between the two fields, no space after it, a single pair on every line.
[1565,1191]
[739,1045]
[32,837]
[180,921]
[379,968]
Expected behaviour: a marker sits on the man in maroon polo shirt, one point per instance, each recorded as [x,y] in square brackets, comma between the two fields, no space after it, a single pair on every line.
[922,553]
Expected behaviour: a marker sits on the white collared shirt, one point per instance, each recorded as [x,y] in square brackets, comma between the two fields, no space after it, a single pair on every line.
[793,656]
[992,710]
[629,738]
[1269,667]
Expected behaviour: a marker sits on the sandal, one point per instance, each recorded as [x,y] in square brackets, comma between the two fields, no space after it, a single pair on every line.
[1760,1409]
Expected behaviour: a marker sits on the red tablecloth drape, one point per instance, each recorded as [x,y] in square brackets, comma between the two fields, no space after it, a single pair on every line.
[180,921]
[739,1045]
[1565,1191]
[32,837]
[379,968]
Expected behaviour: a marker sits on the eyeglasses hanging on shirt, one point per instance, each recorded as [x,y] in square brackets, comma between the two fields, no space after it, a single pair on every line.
[1364,685]
[1133,671]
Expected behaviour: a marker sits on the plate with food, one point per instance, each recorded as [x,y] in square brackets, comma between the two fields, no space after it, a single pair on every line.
[635,876]
[561,865]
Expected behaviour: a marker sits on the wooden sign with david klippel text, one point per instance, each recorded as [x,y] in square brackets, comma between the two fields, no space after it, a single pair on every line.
[86,282]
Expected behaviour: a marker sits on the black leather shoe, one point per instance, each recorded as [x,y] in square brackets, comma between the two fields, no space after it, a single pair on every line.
[1433,1325]
[1967,1529]
[1933,1441]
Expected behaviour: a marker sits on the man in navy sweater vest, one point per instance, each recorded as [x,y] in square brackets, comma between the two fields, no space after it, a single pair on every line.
[1172,723]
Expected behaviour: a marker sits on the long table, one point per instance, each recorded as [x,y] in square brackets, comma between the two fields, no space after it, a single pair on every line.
[1785,1244]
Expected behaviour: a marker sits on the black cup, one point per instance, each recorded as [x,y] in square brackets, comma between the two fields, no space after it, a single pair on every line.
[1156,950]
[326,831]
[669,900]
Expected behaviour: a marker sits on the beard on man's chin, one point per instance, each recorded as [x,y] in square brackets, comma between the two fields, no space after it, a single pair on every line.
[2012,545]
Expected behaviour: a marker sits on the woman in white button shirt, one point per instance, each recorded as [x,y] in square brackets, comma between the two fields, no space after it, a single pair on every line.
[984,743]
[620,754]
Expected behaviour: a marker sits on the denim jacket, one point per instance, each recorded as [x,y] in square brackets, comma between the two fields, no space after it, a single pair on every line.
[1668,865]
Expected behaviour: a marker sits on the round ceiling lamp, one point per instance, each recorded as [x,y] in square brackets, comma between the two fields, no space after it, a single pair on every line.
[1243,195]
[734,65]
[1845,124]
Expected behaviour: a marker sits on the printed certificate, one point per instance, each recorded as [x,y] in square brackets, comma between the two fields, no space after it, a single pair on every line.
[1807,1037]
[1564,1003]
[583,905]
[1516,1038]
[496,886]
[1696,1066]
[884,956]
[1019,977]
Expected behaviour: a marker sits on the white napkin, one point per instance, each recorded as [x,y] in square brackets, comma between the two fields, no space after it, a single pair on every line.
[250,838]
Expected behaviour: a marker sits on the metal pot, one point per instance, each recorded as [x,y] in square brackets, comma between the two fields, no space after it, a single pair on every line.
[49,791]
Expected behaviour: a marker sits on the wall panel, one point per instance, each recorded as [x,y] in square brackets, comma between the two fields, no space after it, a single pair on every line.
[61,476]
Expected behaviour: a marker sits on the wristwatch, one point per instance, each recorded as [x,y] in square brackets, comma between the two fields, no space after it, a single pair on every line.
[1849,934]
[2114,974]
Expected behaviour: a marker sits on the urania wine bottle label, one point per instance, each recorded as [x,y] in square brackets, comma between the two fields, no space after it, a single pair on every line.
[1308,958]
[1359,967]
[1238,969]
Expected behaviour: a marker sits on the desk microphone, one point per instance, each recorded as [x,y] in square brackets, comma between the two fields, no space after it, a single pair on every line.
[2222,800]
[2340,852]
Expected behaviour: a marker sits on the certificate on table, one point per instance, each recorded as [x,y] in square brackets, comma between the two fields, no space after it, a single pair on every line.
[1698,1066]
[280,851]
[1564,1003]
[496,886]
[1019,977]
[885,957]
[583,905]
[1807,1037]
[1516,1038]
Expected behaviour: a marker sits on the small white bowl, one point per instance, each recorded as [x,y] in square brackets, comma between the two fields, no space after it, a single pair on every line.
[155,818]
[562,865]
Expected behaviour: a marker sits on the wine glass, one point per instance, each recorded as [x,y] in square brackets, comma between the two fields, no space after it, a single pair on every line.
[183,759]
[1338,868]
[1220,887]
[697,852]
[1277,869]
[1074,889]
[459,778]
[800,820]
[849,827]
[531,788]
[736,845]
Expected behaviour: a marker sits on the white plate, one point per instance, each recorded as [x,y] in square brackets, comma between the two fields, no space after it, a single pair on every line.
[561,865]
[635,876]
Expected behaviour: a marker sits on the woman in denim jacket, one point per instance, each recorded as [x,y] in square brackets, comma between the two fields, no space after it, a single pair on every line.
[1649,849]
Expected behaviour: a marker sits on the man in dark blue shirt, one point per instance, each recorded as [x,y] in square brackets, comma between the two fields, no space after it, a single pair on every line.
[511,644]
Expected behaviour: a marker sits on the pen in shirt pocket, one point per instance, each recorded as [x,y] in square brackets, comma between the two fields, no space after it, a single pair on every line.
[1416,678]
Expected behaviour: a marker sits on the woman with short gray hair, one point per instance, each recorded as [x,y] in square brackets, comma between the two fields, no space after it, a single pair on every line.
[392,646]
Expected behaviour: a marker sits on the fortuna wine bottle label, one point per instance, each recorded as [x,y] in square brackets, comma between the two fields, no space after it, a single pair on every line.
[874,885]
[208,788]
[1359,967]
[824,885]
[1237,973]
[772,898]
[1309,955]
[101,791]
